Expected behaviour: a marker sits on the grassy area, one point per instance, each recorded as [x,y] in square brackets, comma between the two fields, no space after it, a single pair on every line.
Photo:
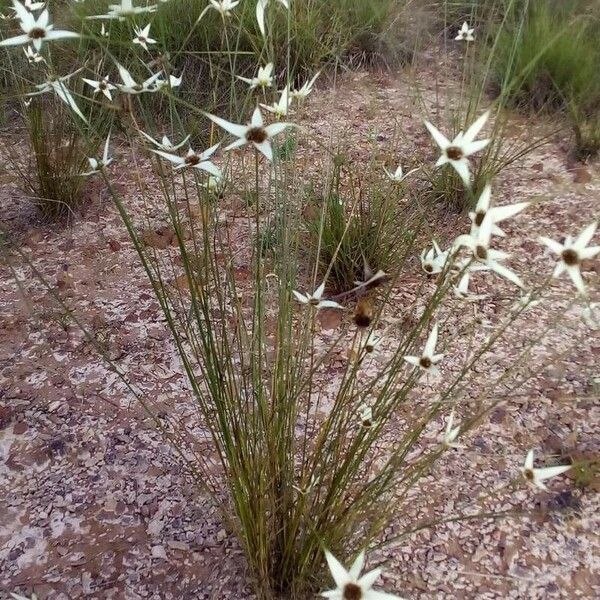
[548,58]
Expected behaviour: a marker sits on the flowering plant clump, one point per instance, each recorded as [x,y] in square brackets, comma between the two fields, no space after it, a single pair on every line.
[301,464]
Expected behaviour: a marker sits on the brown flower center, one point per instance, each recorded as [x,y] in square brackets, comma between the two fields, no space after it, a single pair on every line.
[314,302]
[570,257]
[529,474]
[192,159]
[428,268]
[103,85]
[481,252]
[479,217]
[425,362]
[257,135]
[454,153]
[352,591]
[362,320]
[37,33]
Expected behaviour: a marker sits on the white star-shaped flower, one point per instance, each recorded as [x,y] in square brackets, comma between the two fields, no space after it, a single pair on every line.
[485,257]
[536,477]
[457,151]
[57,85]
[428,360]
[279,108]
[33,56]
[125,10]
[263,79]
[171,83]
[224,7]
[572,253]
[142,37]
[315,299]
[451,433]
[37,31]
[130,86]
[194,160]
[166,144]
[465,33]
[398,176]
[96,165]
[497,213]
[306,89]
[261,6]
[349,584]
[103,86]
[365,416]
[434,259]
[254,133]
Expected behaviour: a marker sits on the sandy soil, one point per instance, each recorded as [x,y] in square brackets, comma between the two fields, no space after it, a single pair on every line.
[95,502]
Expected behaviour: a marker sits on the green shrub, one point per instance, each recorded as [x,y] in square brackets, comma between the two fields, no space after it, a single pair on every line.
[350,235]
[58,156]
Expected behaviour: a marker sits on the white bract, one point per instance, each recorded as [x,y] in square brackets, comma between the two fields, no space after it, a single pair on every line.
[57,85]
[525,302]
[496,214]
[591,315]
[451,433]
[536,477]
[130,86]
[485,257]
[194,160]
[142,37]
[33,56]
[224,6]
[33,6]
[461,290]
[103,86]
[254,133]
[279,108]
[434,259]
[465,33]
[372,342]
[428,360]
[306,89]
[261,6]
[166,144]
[365,415]
[124,10]
[572,253]
[457,151]
[37,31]
[263,79]
[349,584]
[398,175]
[97,165]
[315,299]
[171,83]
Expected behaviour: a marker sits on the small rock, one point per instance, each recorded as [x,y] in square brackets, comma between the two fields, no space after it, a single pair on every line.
[158,551]
[177,545]
[20,428]
[221,535]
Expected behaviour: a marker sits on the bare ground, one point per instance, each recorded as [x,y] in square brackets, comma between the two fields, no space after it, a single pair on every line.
[95,502]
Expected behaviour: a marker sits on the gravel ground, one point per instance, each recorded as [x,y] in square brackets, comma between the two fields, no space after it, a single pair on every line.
[95,504]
